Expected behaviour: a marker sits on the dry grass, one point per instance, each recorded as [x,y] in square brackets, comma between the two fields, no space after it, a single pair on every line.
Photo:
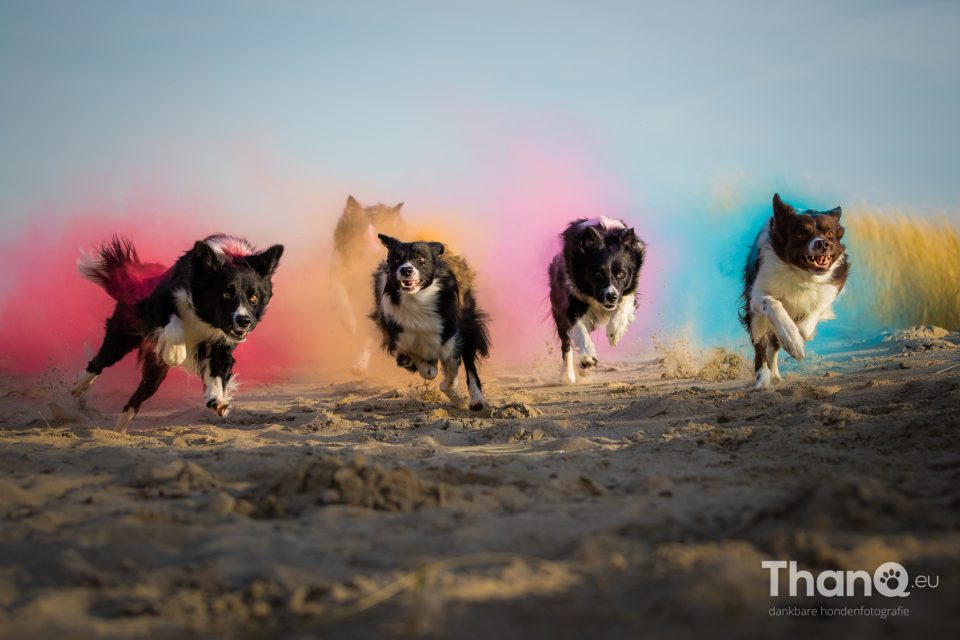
[906,269]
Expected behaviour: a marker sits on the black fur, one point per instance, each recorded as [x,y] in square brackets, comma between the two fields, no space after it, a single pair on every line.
[594,258]
[443,285]
[227,290]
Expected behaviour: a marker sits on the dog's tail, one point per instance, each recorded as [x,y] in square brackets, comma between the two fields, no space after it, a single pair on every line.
[116,267]
[474,332]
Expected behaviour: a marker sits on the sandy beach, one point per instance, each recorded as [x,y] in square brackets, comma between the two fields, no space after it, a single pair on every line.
[640,502]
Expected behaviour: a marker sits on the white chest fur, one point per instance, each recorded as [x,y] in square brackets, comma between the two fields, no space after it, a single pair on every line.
[178,341]
[802,293]
[419,320]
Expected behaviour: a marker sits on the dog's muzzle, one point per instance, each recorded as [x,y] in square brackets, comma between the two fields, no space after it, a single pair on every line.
[408,277]
[610,298]
[242,325]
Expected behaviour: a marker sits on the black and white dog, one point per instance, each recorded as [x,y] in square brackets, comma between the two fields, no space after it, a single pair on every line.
[795,271]
[192,315]
[428,314]
[593,281]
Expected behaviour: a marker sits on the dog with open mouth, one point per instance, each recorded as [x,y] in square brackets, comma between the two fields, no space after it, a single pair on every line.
[192,315]
[796,269]
[593,282]
[427,311]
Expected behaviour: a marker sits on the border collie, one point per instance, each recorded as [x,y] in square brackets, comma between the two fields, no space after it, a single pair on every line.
[192,315]
[357,252]
[795,271]
[593,281]
[427,313]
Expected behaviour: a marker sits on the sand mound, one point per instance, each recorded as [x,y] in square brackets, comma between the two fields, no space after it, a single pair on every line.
[925,338]
[330,481]
[679,359]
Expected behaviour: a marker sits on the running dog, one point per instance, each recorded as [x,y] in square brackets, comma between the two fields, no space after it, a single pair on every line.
[593,281]
[428,314]
[794,272]
[192,315]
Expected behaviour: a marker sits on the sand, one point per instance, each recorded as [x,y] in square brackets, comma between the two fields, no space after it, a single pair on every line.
[640,502]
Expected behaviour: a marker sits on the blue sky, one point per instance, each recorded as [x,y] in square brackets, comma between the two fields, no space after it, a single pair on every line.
[678,104]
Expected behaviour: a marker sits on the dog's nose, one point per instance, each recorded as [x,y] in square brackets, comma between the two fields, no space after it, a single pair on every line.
[610,297]
[406,271]
[244,322]
[823,245]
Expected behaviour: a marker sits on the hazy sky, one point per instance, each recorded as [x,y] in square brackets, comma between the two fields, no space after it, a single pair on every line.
[854,100]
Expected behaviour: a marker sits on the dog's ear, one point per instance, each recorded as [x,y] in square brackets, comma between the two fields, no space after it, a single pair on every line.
[205,257]
[835,214]
[387,241]
[591,239]
[265,262]
[437,248]
[782,213]
[397,208]
[352,204]
[630,240]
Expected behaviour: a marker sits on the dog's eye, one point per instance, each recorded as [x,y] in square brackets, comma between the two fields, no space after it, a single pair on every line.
[621,275]
[802,235]
[253,297]
[227,295]
[829,234]
[421,260]
[598,274]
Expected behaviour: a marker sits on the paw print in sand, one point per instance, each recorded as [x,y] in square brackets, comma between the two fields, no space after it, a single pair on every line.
[890,578]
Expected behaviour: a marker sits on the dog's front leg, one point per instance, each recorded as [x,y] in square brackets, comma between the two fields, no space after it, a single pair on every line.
[581,338]
[172,342]
[218,382]
[783,325]
[621,319]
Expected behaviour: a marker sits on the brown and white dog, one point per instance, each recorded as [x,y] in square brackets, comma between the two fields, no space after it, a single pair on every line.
[357,252]
[795,271]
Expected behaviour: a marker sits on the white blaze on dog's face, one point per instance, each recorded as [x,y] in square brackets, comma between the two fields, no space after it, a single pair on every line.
[411,266]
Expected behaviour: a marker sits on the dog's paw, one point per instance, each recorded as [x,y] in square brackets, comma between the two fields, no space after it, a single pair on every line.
[586,362]
[428,370]
[173,354]
[479,404]
[793,343]
[615,331]
[762,380]
[450,391]
[568,377]
[219,407]
[84,380]
[406,362]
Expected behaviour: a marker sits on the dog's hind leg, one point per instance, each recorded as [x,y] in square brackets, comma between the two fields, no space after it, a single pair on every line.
[477,401]
[761,372]
[118,341]
[154,371]
[450,382]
